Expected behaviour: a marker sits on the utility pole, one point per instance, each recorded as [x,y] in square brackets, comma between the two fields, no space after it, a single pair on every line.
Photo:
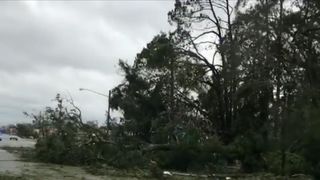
[108,113]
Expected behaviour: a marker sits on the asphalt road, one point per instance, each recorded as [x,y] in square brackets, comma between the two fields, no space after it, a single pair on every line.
[10,162]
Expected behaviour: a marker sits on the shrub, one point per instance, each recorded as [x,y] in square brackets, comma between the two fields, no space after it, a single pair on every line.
[294,163]
[197,157]
[56,149]
[128,159]
[50,149]
[248,149]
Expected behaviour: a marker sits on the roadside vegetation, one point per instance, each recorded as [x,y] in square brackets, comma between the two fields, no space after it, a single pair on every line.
[232,90]
[25,153]
[11,177]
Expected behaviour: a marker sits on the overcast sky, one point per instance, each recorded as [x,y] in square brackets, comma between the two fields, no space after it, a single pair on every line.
[57,47]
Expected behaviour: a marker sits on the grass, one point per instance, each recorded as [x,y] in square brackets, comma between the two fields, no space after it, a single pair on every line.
[26,154]
[111,171]
[11,177]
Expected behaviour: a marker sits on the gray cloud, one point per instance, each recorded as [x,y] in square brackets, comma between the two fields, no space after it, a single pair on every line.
[48,47]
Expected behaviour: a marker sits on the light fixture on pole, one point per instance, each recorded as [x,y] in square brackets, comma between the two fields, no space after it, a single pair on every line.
[107,96]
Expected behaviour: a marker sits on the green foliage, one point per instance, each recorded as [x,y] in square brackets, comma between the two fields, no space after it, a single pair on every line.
[155,171]
[180,158]
[295,164]
[129,159]
[157,54]
[12,177]
[64,139]
[311,140]
[153,85]
[204,157]
[55,150]
[50,149]
[248,149]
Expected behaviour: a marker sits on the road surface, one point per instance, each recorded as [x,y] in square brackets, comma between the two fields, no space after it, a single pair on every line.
[6,142]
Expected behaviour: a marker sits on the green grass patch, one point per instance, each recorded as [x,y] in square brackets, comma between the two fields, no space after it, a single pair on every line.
[11,177]
[26,154]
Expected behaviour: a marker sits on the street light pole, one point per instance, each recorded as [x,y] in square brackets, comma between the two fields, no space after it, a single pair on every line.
[107,96]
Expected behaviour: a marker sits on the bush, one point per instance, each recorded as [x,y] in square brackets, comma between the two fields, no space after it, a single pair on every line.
[316,171]
[155,171]
[56,149]
[294,164]
[50,149]
[196,157]
[180,157]
[248,149]
[128,159]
